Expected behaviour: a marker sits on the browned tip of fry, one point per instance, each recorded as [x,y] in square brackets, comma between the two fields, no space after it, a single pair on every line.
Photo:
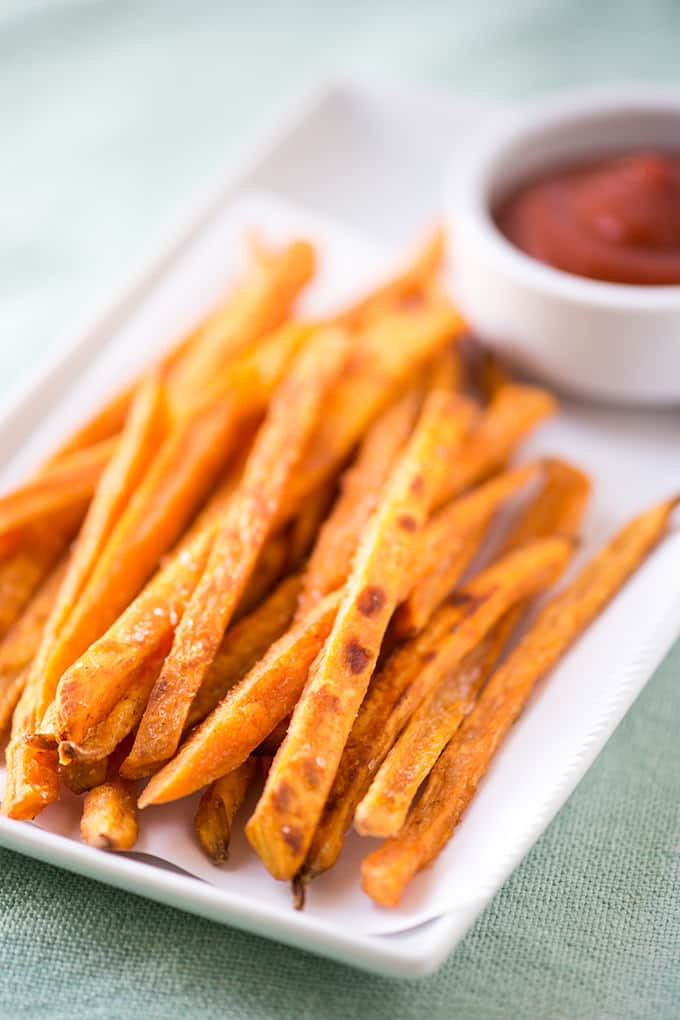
[381,879]
[298,888]
[100,841]
[32,780]
[109,819]
[217,809]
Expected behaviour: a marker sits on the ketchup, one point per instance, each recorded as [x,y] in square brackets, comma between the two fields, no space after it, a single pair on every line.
[617,219]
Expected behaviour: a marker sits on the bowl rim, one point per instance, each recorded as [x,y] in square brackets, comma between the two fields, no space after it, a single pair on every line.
[470,178]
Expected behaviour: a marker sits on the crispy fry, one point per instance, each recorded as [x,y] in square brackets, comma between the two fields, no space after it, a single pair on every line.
[249,712]
[104,738]
[414,669]
[331,557]
[19,647]
[556,509]
[292,415]
[449,542]
[512,413]
[104,424]
[288,811]
[387,357]
[454,779]
[244,644]
[257,305]
[403,287]
[217,809]
[67,484]
[109,819]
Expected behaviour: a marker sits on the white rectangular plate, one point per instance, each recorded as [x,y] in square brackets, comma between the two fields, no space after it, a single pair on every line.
[363,191]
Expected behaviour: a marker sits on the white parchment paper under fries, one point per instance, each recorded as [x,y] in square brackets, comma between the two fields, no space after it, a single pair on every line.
[633,458]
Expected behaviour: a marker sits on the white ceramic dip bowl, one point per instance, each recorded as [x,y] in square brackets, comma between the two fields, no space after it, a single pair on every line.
[606,341]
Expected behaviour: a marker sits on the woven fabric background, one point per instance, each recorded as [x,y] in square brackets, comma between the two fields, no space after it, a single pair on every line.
[112,113]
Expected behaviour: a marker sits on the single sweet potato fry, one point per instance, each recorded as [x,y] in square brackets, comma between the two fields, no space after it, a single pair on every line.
[288,811]
[67,484]
[249,712]
[244,644]
[21,644]
[103,739]
[104,424]
[291,417]
[255,307]
[217,809]
[512,413]
[331,557]
[405,286]
[556,509]
[109,819]
[455,777]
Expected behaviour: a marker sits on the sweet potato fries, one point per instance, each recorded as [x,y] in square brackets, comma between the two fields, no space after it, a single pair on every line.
[300,539]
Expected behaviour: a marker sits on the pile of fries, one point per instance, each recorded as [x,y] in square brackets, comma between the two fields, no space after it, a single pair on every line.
[276,561]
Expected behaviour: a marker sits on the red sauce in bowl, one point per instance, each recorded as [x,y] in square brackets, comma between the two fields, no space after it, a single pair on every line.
[617,219]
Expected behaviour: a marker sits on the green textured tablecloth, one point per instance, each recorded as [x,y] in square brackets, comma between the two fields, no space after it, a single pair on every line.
[111,113]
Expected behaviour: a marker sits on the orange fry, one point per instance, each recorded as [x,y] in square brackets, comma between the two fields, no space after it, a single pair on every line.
[258,304]
[403,287]
[331,557]
[21,643]
[244,644]
[67,484]
[512,413]
[250,711]
[109,819]
[19,647]
[456,776]
[217,809]
[299,781]
[291,417]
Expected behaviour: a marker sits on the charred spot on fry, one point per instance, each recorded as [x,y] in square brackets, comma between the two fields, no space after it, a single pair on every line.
[356,657]
[371,600]
[407,523]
